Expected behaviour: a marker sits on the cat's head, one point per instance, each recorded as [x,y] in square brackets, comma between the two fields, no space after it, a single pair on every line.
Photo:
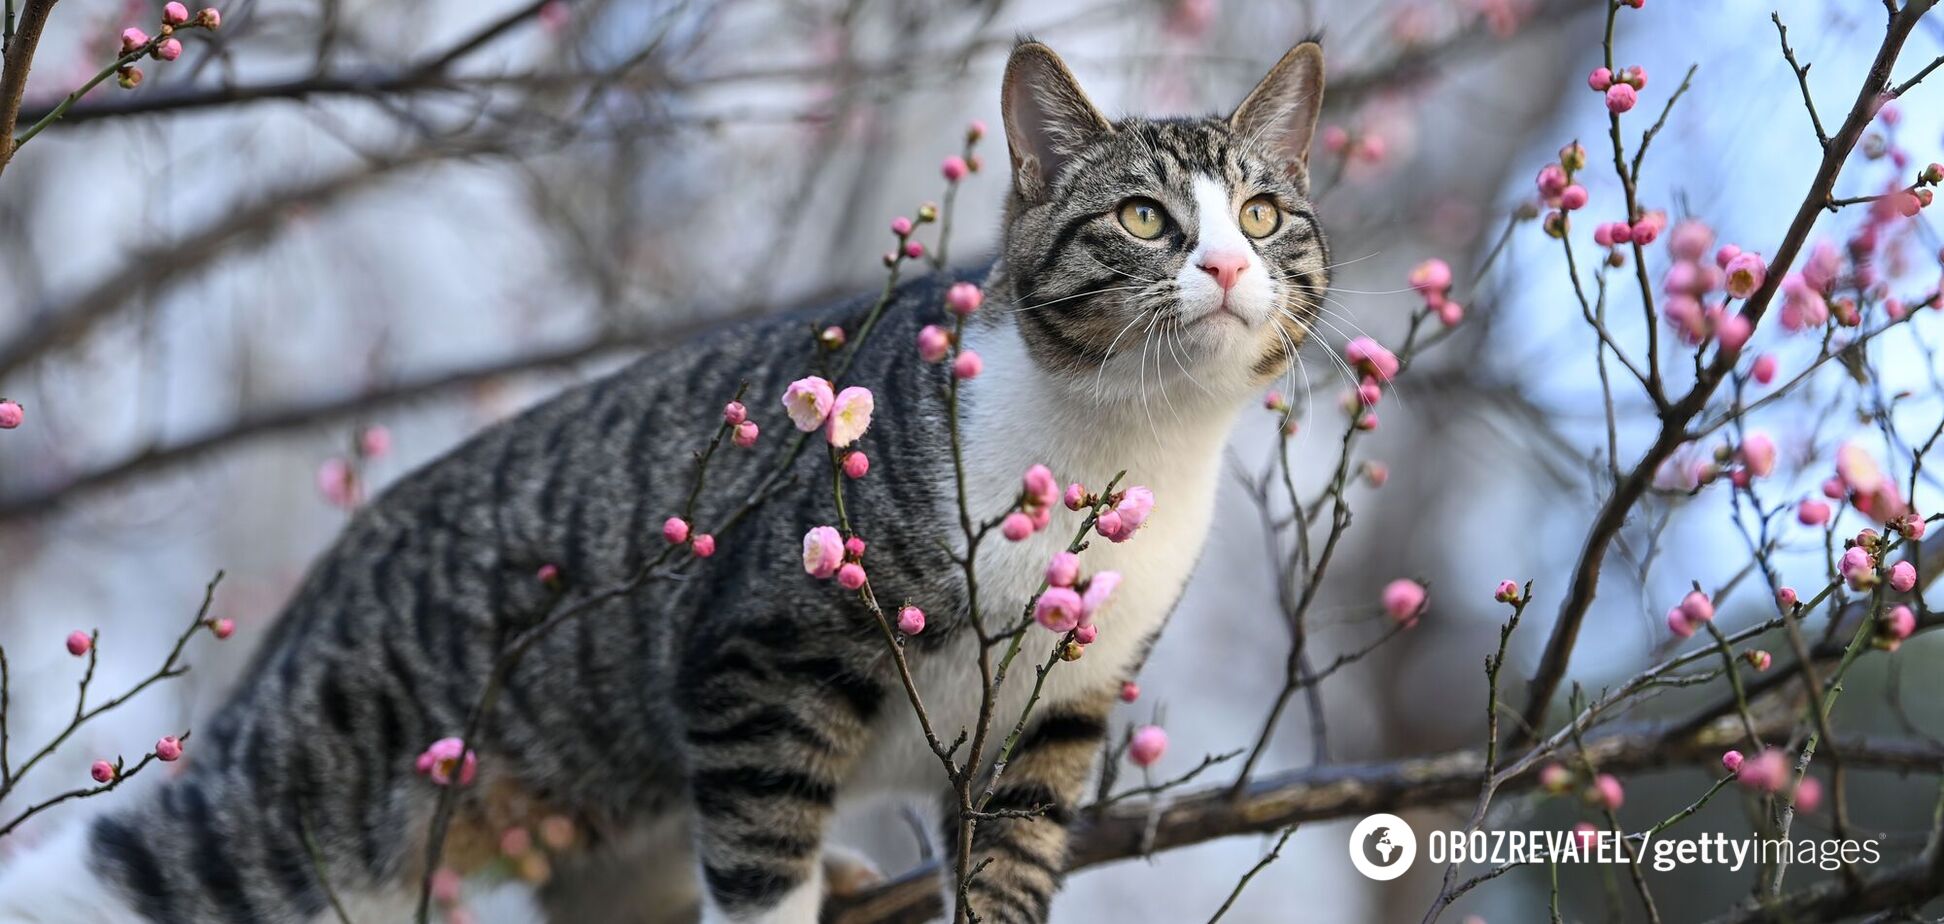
[1164,248]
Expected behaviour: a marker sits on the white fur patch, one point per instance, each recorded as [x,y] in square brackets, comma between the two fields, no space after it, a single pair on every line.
[1217,230]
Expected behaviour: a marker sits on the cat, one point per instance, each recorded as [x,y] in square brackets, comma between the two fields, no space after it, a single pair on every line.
[1154,274]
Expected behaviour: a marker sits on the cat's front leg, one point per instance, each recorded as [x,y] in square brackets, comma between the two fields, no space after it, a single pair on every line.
[771,736]
[1019,843]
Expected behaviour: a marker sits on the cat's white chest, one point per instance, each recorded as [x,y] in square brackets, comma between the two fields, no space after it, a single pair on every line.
[1013,422]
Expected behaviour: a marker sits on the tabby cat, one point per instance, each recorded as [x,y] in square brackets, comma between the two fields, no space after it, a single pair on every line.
[1154,274]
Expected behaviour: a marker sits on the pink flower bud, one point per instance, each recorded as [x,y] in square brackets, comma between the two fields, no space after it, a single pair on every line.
[1376,473]
[856,464]
[168,49]
[1858,568]
[79,642]
[223,628]
[174,14]
[374,442]
[133,38]
[1903,576]
[1758,659]
[1149,743]
[1600,79]
[1587,835]
[1076,496]
[1644,232]
[963,298]
[1808,795]
[974,130]
[1404,599]
[1897,624]
[953,168]
[1130,691]
[448,761]
[703,546]
[746,433]
[901,226]
[1554,778]
[168,748]
[1697,607]
[1058,609]
[1733,333]
[1432,278]
[1450,313]
[11,414]
[514,843]
[1507,592]
[209,18]
[1063,570]
[1370,358]
[1016,526]
[1603,235]
[1552,182]
[1786,598]
[1573,197]
[675,530]
[549,574]
[1758,454]
[1732,760]
[102,771]
[823,551]
[968,365]
[855,546]
[734,413]
[1763,371]
[1619,98]
[1812,512]
[850,576]
[1679,623]
[911,620]
[913,250]
[933,343]
[1607,792]
[1085,635]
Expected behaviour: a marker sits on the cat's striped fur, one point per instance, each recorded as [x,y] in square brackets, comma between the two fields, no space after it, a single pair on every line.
[734,709]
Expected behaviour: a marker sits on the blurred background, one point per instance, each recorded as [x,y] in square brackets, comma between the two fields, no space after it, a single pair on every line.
[334,215]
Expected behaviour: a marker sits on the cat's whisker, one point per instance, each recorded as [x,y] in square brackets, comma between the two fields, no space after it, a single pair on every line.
[1349,375]
[1331,266]
[1100,394]
[1103,265]
[1074,296]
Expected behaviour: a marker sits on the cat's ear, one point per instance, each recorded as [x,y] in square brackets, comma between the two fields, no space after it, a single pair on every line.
[1282,109]
[1047,117]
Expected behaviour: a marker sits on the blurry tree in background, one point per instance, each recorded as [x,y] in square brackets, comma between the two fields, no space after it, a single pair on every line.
[321,242]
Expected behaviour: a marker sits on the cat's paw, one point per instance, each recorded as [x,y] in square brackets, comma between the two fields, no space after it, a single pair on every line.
[848,872]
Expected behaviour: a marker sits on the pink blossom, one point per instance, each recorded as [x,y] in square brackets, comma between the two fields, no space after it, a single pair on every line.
[1903,576]
[209,18]
[1130,691]
[1076,496]
[79,643]
[1432,278]
[1858,469]
[1016,526]
[1858,568]
[1679,623]
[850,575]
[1552,182]
[968,365]
[223,628]
[963,298]
[1099,588]
[1733,332]
[1555,778]
[446,883]
[448,759]
[953,168]
[168,49]
[374,442]
[1600,79]
[1147,746]
[168,748]
[1450,313]
[746,433]
[1745,274]
[1607,792]
[1758,454]
[133,38]
[1063,570]
[854,547]
[901,226]
[1085,635]
[974,130]
[174,14]
[1825,263]
[1895,626]
[703,546]
[1376,473]
[1587,836]
[1758,659]
[1119,524]
[1058,609]
[808,402]
[1697,607]
[734,413]
[1371,358]
[1404,599]
[1620,98]
[1727,255]
[1812,512]
[850,415]
[11,414]
[933,343]
[338,482]
[911,620]
[913,250]
[1808,795]
[1786,597]
[856,464]
[548,574]
[1732,760]
[1763,371]
[1768,771]
[1690,240]
[1507,592]
[1368,394]
[823,551]
[102,771]
[1042,490]
[1573,197]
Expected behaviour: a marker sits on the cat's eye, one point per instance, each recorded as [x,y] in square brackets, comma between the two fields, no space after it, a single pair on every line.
[1143,218]
[1260,217]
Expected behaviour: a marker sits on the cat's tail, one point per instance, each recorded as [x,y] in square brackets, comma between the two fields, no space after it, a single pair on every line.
[60,881]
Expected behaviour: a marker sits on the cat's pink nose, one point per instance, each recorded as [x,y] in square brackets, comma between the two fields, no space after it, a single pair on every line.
[1225,265]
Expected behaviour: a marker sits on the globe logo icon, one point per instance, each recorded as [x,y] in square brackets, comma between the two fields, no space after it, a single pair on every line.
[1382,847]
